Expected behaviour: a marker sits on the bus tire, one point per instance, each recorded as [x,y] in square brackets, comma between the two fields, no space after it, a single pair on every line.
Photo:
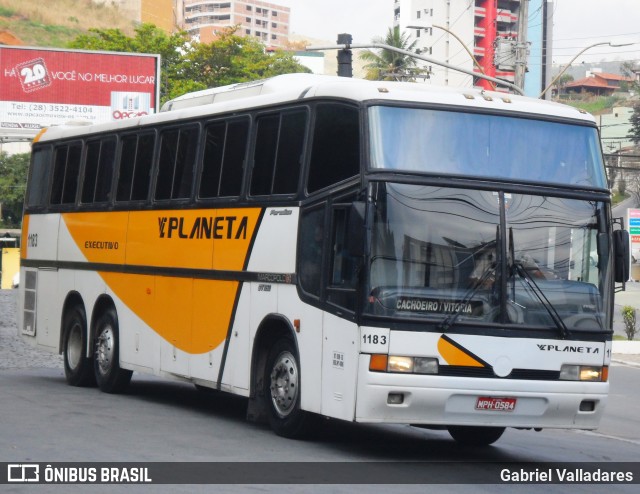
[111,378]
[78,368]
[475,436]
[282,392]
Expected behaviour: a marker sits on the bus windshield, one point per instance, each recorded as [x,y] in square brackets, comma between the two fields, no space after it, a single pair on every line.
[453,142]
[469,256]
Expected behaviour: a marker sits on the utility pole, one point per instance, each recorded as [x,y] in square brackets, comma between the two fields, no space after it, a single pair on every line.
[522,45]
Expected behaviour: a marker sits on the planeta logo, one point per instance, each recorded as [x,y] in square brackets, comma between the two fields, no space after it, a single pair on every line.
[207,227]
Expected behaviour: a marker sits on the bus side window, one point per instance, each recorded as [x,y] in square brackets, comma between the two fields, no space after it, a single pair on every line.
[343,268]
[235,156]
[278,153]
[142,170]
[98,171]
[136,159]
[65,173]
[310,250]
[177,158]
[335,153]
[39,180]
[212,160]
[290,147]
[225,151]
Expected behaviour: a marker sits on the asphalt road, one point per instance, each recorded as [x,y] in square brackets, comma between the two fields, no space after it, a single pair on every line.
[44,420]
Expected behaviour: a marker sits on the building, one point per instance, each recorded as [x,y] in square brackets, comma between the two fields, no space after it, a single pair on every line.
[479,36]
[598,84]
[615,128]
[266,21]
[165,14]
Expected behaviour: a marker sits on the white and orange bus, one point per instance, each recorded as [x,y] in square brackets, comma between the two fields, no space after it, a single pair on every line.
[368,251]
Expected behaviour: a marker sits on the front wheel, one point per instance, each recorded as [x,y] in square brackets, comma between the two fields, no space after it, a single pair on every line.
[282,391]
[475,436]
[109,376]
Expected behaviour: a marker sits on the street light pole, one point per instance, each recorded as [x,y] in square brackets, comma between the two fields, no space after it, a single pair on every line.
[354,46]
[604,43]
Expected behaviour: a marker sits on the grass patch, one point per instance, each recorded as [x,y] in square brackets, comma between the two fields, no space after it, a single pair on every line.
[6,12]
[595,105]
[617,198]
[55,24]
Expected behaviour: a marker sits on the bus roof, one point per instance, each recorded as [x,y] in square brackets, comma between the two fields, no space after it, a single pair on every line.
[299,87]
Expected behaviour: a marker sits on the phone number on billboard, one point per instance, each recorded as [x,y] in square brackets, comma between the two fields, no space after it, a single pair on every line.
[60,108]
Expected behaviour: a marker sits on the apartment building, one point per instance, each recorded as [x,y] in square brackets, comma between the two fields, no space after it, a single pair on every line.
[266,21]
[485,30]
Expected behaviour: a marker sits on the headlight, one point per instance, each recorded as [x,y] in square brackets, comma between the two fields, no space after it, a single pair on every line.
[405,365]
[570,372]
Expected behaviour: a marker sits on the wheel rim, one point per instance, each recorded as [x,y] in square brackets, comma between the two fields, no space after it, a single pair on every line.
[105,349]
[284,384]
[74,346]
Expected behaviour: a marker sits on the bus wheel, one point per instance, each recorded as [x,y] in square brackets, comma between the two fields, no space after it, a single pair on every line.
[110,377]
[78,368]
[475,436]
[282,390]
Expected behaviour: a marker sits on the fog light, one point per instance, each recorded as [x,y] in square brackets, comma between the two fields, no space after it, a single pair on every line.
[395,399]
[587,406]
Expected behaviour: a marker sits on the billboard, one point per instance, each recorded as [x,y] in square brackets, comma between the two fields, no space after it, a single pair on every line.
[41,87]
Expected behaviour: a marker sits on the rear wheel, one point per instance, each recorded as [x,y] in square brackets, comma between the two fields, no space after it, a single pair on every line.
[475,436]
[110,377]
[78,368]
[282,392]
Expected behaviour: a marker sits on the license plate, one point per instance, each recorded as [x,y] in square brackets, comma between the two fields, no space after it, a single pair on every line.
[496,404]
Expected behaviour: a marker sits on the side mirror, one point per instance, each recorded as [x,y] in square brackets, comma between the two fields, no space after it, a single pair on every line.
[355,225]
[621,255]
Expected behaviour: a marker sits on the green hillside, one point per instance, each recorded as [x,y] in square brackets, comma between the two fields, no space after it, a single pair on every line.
[53,23]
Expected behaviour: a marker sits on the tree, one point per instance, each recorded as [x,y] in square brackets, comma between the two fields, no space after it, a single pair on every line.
[231,58]
[187,65]
[630,69]
[391,66]
[148,39]
[634,131]
[563,81]
[13,179]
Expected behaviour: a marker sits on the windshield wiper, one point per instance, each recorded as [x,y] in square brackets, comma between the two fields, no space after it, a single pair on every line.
[544,301]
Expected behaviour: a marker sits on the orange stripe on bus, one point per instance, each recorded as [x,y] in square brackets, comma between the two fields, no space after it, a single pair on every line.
[455,356]
[192,314]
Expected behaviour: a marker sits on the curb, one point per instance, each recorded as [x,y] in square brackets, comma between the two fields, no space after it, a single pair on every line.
[625,362]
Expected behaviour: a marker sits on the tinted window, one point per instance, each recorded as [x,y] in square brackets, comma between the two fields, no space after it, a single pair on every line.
[65,174]
[127,163]
[335,155]
[234,158]
[142,172]
[265,155]
[135,167]
[312,233]
[278,153]
[40,172]
[177,159]
[98,171]
[224,159]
